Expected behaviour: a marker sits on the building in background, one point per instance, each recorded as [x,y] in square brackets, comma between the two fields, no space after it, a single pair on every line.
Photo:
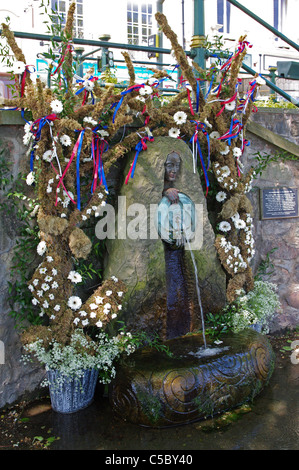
[133,22]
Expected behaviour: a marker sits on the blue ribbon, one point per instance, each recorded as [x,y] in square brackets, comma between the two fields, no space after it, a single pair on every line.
[78,170]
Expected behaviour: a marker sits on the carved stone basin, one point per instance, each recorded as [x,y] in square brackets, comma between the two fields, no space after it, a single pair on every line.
[155,390]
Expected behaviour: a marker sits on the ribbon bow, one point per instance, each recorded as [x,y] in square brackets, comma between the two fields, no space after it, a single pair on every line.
[85,89]
[139,147]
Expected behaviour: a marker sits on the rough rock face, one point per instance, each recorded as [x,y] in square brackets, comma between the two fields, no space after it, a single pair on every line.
[140,262]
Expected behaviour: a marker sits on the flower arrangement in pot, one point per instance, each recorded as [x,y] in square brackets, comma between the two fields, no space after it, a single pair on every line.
[73,142]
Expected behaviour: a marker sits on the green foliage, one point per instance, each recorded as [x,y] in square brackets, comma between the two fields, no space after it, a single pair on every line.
[218,324]
[264,160]
[265,266]
[271,102]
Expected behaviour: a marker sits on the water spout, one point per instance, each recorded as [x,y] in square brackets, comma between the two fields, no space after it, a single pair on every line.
[198,293]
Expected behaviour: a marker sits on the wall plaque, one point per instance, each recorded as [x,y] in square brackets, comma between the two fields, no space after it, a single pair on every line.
[279,203]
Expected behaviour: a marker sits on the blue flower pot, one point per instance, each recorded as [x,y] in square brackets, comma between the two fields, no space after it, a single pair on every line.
[73,394]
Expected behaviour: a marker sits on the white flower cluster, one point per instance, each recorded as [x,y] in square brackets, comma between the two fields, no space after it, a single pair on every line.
[249,240]
[180,117]
[43,290]
[90,120]
[248,186]
[27,133]
[223,176]
[81,354]
[257,306]
[234,259]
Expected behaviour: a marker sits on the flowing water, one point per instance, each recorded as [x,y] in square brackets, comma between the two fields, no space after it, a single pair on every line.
[198,294]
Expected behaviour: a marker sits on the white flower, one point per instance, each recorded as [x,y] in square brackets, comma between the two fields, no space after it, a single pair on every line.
[48,278]
[93,315]
[114,315]
[214,135]
[85,322]
[54,272]
[43,270]
[180,117]
[76,321]
[93,306]
[107,306]
[41,248]
[174,132]
[57,308]
[52,317]
[88,85]
[207,123]
[225,151]
[230,106]
[35,301]
[46,304]
[74,302]
[218,341]
[240,223]
[114,278]
[224,226]
[45,286]
[56,106]
[89,120]
[50,259]
[99,324]
[221,196]
[30,178]
[103,133]
[99,300]
[48,156]
[146,90]
[82,313]
[54,285]
[74,277]
[26,138]
[35,282]
[225,171]
[108,293]
[18,67]
[120,294]
[140,98]
[237,152]
[119,307]
[40,293]
[65,140]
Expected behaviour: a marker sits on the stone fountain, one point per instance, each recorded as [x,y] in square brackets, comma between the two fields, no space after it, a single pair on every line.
[173,279]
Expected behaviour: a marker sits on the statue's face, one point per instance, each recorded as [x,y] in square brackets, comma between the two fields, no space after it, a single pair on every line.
[172,166]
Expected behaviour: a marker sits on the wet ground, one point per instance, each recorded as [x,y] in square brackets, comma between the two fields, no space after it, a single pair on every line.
[271,422]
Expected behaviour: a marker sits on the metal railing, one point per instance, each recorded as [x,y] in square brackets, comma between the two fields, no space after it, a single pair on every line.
[198,52]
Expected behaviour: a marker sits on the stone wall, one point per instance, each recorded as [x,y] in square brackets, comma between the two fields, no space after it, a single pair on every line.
[279,235]
[16,379]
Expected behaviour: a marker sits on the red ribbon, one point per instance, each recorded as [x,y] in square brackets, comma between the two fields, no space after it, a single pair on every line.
[23,81]
[69,47]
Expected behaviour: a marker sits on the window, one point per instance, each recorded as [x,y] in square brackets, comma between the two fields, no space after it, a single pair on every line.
[139,22]
[223,15]
[60,7]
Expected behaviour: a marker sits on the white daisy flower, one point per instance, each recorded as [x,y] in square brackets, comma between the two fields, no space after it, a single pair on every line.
[56,106]
[221,196]
[99,300]
[103,133]
[214,135]
[88,85]
[240,223]
[51,296]
[89,120]
[225,171]
[18,67]
[108,293]
[48,156]
[30,178]
[224,226]
[75,277]
[237,152]
[174,132]
[74,302]
[41,248]
[180,117]
[65,140]
[230,106]
[225,151]
[45,286]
